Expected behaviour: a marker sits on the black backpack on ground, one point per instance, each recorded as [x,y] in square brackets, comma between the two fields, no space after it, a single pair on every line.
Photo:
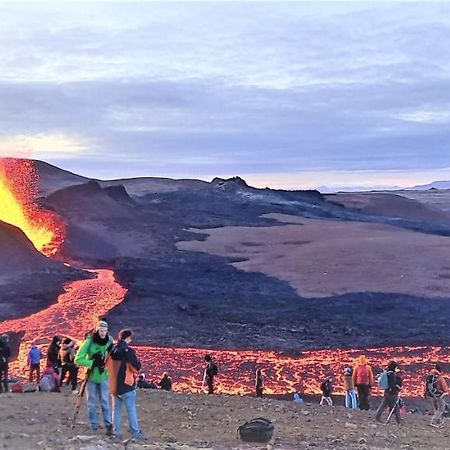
[431,389]
[257,430]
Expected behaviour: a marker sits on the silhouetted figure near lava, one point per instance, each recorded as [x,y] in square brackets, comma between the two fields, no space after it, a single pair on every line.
[5,354]
[327,389]
[67,357]
[209,373]
[166,382]
[34,362]
[390,396]
[259,383]
[143,384]
[53,353]
[92,354]
[363,379]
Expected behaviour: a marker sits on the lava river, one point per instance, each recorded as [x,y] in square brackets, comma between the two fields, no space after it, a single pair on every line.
[83,302]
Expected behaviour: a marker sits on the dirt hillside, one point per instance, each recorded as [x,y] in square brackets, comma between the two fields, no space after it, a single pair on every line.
[192,421]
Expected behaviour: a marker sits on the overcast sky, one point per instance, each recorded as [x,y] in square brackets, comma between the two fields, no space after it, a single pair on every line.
[284,94]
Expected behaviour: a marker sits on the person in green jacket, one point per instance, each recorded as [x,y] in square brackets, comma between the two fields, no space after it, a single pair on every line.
[92,354]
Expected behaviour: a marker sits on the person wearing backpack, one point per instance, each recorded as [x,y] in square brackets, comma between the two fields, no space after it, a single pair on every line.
[67,356]
[363,379]
[124,366]
[34,362]
[49,381]
[5,354]
[92,354]
[209,373]
[327,388]
[350,394]
[436,388]
[390,395]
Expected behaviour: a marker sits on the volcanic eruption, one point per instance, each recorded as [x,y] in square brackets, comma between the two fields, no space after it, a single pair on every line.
[19,206]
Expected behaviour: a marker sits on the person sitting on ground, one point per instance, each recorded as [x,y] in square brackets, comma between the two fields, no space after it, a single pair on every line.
[67,357]
[166,382]
[5,354]
[350,393]
[49,381]
[363,379]
[327,388]
[297,398]
[390,396]
[259,383]
[436,389]
[34,362]
[143,384]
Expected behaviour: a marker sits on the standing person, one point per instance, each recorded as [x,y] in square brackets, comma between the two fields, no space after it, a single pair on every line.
[53,353]
[34,362]
[350,393]
[67,357]
[124,366]
[259,383]
[209,373]
[390,396]
[166,382]
[92,354]
[5,354]
[327,388]
[436,388]
[363,379]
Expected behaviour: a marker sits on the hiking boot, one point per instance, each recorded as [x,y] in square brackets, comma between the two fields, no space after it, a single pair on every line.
[109,430]
[139,436]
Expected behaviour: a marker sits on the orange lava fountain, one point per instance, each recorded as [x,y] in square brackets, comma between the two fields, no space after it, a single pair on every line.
[18,193]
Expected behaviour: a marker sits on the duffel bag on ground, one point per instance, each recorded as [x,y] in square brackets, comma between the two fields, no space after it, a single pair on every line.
[257,430]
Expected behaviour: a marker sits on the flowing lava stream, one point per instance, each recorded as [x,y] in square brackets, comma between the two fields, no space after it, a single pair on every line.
[77,310]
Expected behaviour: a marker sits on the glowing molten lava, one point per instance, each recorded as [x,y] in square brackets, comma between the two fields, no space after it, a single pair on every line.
[18,207]
[83,302]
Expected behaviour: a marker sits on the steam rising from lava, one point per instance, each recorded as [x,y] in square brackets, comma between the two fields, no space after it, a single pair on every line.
[18,206]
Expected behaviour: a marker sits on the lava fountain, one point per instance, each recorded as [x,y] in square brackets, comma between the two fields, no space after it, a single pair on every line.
[18,206]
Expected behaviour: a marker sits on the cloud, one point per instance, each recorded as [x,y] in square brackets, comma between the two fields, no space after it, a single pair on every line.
[236,88]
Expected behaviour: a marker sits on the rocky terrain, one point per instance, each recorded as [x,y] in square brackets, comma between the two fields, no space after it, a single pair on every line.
[226,265]
[175,421]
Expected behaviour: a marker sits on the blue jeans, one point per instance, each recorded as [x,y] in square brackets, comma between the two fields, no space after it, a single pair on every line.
[350,399]
[129,399]
[98,392]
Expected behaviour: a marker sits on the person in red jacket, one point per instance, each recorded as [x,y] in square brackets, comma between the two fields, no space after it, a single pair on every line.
[437,389]
[363,379]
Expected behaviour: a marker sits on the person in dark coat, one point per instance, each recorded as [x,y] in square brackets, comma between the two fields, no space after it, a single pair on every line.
[259,383]
[209,373]
[67,354]
[390,396]
[166,382]
[53,353]
[5,354]
[124,367]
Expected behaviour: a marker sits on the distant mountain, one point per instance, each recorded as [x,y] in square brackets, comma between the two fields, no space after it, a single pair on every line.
[335,189]
[433,185]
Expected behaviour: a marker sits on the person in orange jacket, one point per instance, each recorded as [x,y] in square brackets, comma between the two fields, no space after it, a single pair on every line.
[363,379]
[436,389]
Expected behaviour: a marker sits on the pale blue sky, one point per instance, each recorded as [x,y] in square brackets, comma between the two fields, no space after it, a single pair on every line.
[289,94]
